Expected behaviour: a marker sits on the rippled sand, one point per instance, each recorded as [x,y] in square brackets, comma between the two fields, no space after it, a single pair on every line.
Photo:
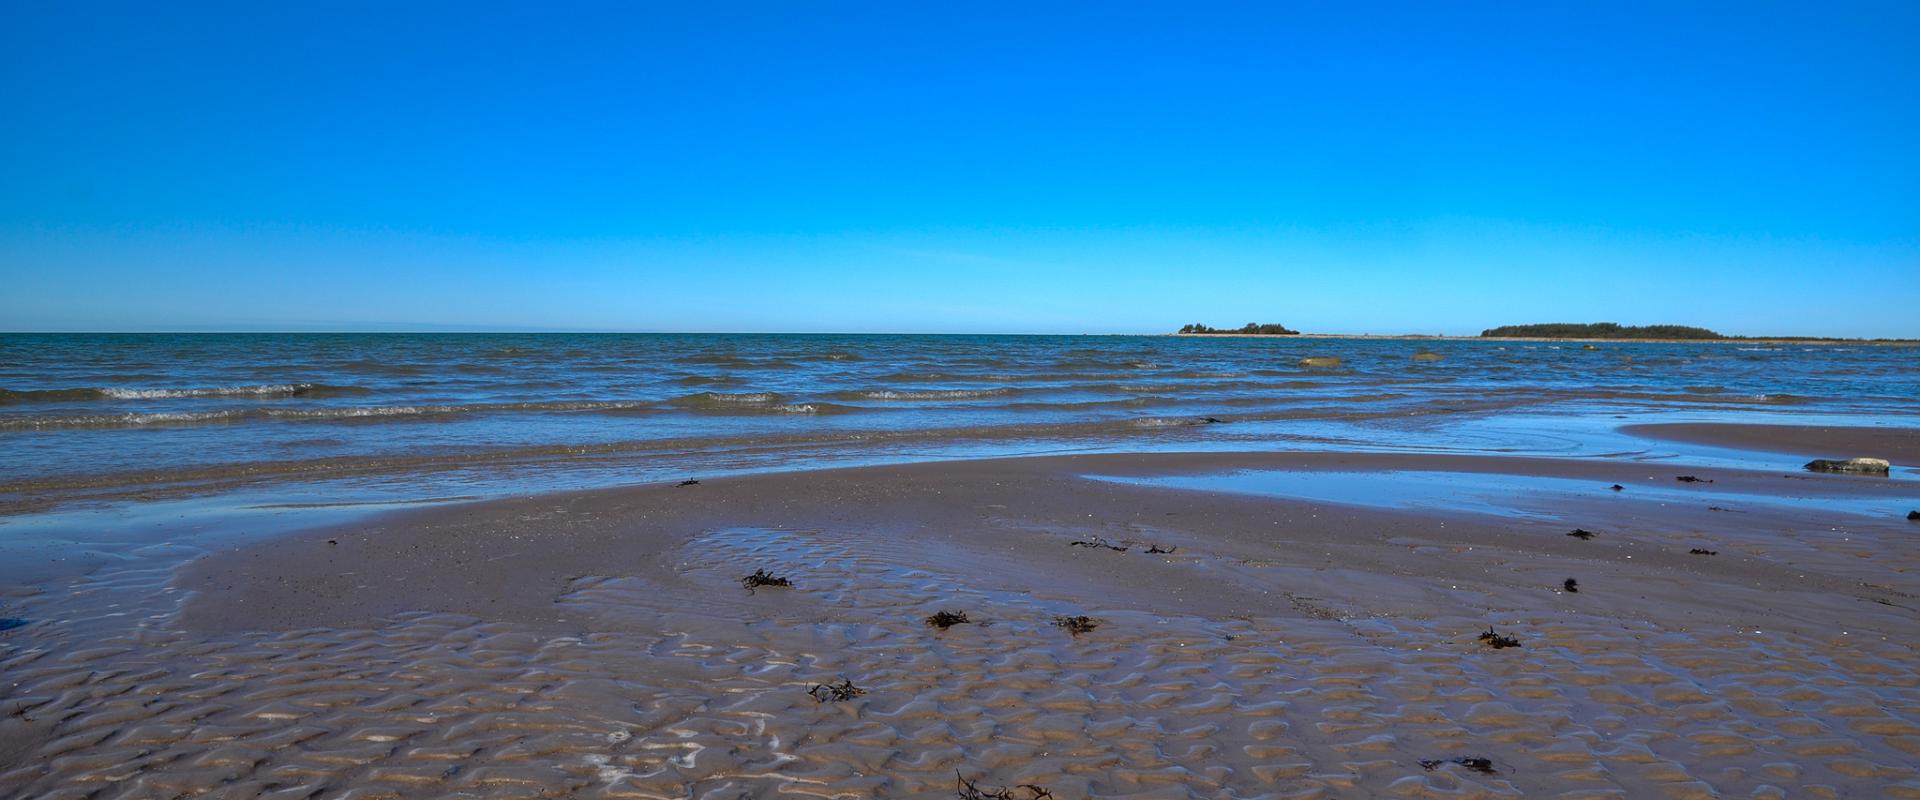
[601,645]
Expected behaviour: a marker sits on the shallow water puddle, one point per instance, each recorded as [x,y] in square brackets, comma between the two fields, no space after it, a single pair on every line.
[1514,496]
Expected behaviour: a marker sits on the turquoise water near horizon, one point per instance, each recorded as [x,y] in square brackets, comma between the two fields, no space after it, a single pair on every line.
[395,416]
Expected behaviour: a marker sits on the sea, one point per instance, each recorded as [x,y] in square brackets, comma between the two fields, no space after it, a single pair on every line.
[294,420]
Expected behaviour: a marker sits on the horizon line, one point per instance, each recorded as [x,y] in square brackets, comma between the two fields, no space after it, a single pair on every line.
[1724,337]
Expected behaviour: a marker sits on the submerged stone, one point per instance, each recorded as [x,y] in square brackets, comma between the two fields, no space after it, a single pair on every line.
[1319,361]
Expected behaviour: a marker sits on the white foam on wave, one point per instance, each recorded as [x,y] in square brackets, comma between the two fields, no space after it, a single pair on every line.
[261,390]
[931,394]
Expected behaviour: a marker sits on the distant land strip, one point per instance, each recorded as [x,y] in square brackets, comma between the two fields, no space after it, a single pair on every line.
[1249,329]
[1547,332]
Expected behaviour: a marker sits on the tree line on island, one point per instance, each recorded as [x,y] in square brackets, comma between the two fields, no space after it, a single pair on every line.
[1253,328]
[1599,330]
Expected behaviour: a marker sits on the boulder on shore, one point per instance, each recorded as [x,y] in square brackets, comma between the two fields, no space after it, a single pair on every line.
[1864,466]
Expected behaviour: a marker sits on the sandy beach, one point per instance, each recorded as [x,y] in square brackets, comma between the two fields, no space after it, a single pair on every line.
[1748,634]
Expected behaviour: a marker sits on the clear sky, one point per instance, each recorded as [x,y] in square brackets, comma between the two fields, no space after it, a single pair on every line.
[1102,167]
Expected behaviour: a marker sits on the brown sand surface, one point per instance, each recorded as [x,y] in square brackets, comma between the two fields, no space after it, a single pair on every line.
[1898,445]
[600,644]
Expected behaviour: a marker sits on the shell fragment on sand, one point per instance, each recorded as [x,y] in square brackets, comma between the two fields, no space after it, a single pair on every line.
[1864,466]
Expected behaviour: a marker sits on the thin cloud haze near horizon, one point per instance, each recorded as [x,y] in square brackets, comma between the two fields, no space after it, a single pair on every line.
[1111,169]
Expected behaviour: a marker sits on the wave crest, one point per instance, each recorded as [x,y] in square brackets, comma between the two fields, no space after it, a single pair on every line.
[128,393]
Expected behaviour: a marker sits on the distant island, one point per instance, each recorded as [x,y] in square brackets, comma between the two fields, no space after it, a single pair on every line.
[1545,331]
[1599,330]
[1250,329]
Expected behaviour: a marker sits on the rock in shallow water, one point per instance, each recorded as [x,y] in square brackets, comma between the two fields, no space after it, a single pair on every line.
[1869,466]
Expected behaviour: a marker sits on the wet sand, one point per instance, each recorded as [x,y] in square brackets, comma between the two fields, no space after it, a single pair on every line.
[1898,445]
[600,644]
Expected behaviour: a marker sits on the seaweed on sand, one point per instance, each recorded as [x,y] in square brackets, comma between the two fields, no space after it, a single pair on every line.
[1497,640]
[1099,542]
[761,577]
[1701,551]
[688,483]
[1618,488]
[836,692]
[968,790]
[1077,625]
[1571,585]
[1691,479]
[948,619]
[1158,550]
[1580,534]
[1477,764]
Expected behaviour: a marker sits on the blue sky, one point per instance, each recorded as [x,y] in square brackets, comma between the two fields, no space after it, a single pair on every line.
[1384,168]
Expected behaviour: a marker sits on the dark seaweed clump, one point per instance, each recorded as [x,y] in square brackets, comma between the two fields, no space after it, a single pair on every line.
[1617,487]
[760,578]
[1077,625]
[1157,549]
[968,790]
[1913,515]
[1691,479]
[1498,641]
[688,483]
[1582,535]
[835,692]
[1096,542]
[9,623]
[948,619]
[1571,585]
[1475,763]
[1701,551]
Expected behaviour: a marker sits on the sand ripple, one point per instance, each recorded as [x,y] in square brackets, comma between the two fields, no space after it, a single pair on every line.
[712,702]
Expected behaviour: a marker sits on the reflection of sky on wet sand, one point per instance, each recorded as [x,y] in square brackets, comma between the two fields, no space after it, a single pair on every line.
[1505,495]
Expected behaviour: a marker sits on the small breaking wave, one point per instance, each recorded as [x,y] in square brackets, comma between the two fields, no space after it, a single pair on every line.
[162,419]
[753,403]
[1170,422]
[924,394]
[125,393]
[708,380]
[724,400]
[262,390]
[812,408]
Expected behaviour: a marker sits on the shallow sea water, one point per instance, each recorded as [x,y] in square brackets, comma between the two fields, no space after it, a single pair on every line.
[381,417]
